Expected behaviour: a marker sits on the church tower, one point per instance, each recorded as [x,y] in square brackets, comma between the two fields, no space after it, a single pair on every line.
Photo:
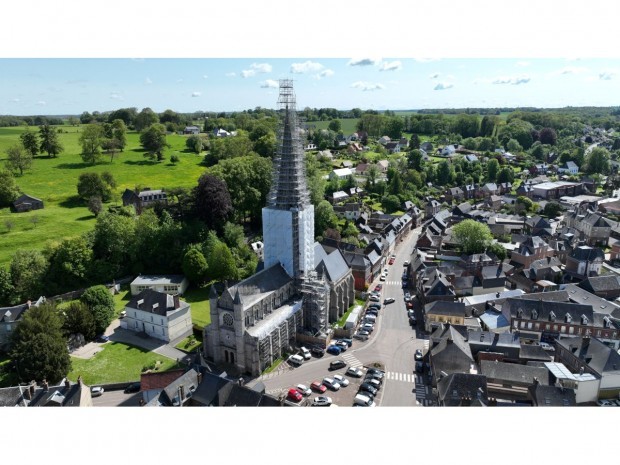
[288,218]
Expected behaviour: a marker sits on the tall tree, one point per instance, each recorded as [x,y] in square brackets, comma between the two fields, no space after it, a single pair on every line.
[194,143]
[113,242]
[445,173]
[492,170]
[324,218]
[222,263]
[144,119]
[101,305]
[18,159]
[39,347]
[8,189]
[6,288]
[91,139]
[119,133]
[49,141]
[28,270]
[195,266]
[597,161]
[153,140]
[472,236]
[212,201]
[30,142]
[79,319]
[335,125]
[93,185]
[547,136]
[69,264]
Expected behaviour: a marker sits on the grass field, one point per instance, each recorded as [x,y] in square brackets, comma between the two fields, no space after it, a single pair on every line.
[198,298]
[347,125]
[117,363]
[54,181]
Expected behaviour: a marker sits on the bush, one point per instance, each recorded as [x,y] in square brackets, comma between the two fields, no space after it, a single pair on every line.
[174,159]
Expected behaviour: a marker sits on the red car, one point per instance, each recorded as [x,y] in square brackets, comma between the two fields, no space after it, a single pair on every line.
[294,395]
[378,287]
[318,386]
[391,262]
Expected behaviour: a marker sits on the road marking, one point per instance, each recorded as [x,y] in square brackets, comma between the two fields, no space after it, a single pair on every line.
[404,377]
[352,360]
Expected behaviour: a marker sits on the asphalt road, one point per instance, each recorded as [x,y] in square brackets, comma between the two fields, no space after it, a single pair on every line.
[117,399]
[392,344]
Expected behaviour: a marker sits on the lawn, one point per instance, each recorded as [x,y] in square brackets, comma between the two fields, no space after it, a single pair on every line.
[8,377]
[121,299]
[340,323]
[189,343]
[347,125]
[117,363]
[273,366]
[54,181]
[198,298]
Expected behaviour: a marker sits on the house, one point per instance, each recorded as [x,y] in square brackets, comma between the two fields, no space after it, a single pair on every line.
[551,396]
[451,354]
[432,208]
[570,168]
[532,249]
[144,198]
[218,391]
[462,390]
[607,287]
[489,189]
[191,130]
[170,284]
[462,210]
[361,168]
[26,203]
[383,165]
[325,154]
[471,158]
[494,202]
[310,146]
[584,261]
[159,315]
[393,147]
[404,142]
[10,318]
[594,228]
[384,140]
[557,189]
[426,146]
[448,151]
[512,380]
[339,196]
[495,347]
[439,312]
[64,394]
[454,194]
[354,147]
[222,133]
[341,173]
[350,211]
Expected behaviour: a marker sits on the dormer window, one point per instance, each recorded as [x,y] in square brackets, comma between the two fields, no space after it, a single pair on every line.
[551,316]
[568,318]
[534,314]
[584,320]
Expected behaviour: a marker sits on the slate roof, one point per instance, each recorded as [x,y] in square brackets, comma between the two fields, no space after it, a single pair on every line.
[189,382]
[494,320]
[265,281]
[155,302]
[534,352]
[335,264]
[73,395]
[587,253]
[596,355]
[513,373]
[547,311]
[600,283]
[11,314]
[25,198]
[458,389]
[581,296]
[551,396]
[441,307]
[452,354]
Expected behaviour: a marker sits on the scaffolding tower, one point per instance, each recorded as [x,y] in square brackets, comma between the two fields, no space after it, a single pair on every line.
[316,294]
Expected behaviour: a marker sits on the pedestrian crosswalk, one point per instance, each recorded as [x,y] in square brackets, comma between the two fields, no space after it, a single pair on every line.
[351,360]
[393,283]
[395,376]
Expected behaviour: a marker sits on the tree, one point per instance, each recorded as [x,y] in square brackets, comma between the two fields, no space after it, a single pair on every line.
[524,203]
[492,169]
[324,218]
[119,133]
[498,250]
[111,147]
[266,145]
[174,159]
[506,174]
[212,201]
[395,186]
[8,189]
[39,347]
[153,140]
[513,146]
[415,159]
[144,119]
[547,136]
[18,159]
[93,185]
[91,139]
[222,263]
[6,288]
[194,143]
[552,209]
[94,205]
[195,265]
[597,161]
[101,305]
[79,320]
[70,263]
[335,125]
[414,142]
[445,173]
[28,269]
[473,237]
[114,238]
[390,203]
[30,142]
[233,235]
[49,141]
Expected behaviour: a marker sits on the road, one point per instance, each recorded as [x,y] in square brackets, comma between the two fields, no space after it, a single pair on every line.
[392,344]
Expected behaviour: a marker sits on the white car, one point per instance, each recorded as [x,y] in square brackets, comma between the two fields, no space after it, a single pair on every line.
[382,277]
[303,389]
[331,384]
[375,298]
[96,391]
[344,382]
[355,372]
[305,353]
[322,401]
[385,270]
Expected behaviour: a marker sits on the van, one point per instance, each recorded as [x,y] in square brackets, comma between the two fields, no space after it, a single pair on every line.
[305,353]
[296,359]
[363,401]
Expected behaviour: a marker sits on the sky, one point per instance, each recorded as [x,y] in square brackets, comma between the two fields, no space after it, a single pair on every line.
[72,85]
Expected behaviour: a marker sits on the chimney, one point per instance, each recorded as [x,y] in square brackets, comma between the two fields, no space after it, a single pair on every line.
[450,341]
[177,303]
[497,295]
[181,394]
[67,384]
[585,342]
[536,382]
[199,380]
[481,337]
[46,386]
[31,388]
[581,370]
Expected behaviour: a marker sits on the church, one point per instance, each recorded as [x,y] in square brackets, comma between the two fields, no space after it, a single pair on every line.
[301,288]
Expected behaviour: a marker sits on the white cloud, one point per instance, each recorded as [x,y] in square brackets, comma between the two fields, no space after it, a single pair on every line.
[325,73]
[434,76]
[607,75]
[231,74]
[179,80]
[522,64]
[196,94]
[116,96]
[15,100]
[572,70]
[443,86]
[256,68]
[390,66]
[426,60]
[204,76]
[148,81]
[42,102]
[306,67]
[514,80]
[269,84]
[366,86]
[363,61]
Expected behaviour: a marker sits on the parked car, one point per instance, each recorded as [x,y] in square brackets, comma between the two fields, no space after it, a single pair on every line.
[369,388]
[347,340]
[344,382]
[389,300]
[334,350]
[376,376]
[337,364]
[407,296]
[368,327]
[303,389]
[296,359]
[378,287]
[331,384]
[419,366]
[372,382]
[318,351]
[305,353]
[102,338]
[133,387]
[372,313]
[374,298]
[391,262]
[406,263]
[375,306]
[343,345]
[355,372]
[294,395]
[370,318]
[123,314]
[318,386]
[385,270]
[418,355]
[382,277]
[605,403]
[404,286]
[322,401]
[96,391]
[361,335]
[362,400]
[376,371]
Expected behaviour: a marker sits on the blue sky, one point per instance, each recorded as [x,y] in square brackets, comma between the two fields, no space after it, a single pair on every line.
[70,86]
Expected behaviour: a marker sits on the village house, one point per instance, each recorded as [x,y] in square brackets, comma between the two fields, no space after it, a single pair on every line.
[26,203]
[191,130]
[170,284]
[144,199]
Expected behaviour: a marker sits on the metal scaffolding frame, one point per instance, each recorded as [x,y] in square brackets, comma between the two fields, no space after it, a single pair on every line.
[316,293]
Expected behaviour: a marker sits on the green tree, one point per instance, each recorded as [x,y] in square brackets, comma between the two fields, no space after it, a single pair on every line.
[597,161]
[100,302]
[194,143]
[324,217]
[8,189]
[393,127]
[144,119]
[153,140]
[395,186]
[473,237]
[30,142]
[524,203]
[38,346]
[91,139]
[95,206]
[69,264]
[548,136]
[266,145]
[506,174]
[222,263]
[335,125]
[498,250]
[492,170]
[229,147]
[233,235]
[93,185]
[390,203]
[28,269]
[415,159]
[119,133]
[445,173]
[414,142]
[49,141]
[552,209]
[6,288]
[349,230]
[212,201]
[18,159]
[195,266]
[114,238]
[79,320]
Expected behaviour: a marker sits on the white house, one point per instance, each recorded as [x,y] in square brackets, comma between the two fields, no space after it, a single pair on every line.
[310,146]
[448,151]
[191,130]
[170,284]
[341,173]
[160,315]
[571,168]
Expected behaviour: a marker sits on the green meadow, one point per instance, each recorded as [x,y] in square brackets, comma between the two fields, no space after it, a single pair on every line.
[54,180]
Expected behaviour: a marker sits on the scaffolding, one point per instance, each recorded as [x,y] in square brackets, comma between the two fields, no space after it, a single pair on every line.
[316,294]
